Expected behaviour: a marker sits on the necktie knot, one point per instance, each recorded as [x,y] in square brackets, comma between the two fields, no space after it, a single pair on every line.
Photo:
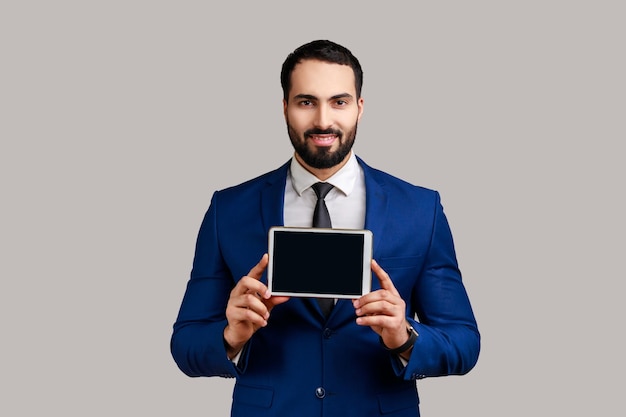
[322,189]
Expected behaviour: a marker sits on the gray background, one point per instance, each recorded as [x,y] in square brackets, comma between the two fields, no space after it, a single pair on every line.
[120,118]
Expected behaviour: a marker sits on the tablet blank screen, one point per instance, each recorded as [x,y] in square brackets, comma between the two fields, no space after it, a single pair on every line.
[323,263]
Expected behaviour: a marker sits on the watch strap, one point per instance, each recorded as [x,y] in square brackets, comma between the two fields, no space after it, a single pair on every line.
[404,347]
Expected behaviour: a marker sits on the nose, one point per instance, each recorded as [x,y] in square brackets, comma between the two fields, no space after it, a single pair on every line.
[322,117]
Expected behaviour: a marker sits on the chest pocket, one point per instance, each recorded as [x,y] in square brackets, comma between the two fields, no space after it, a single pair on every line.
[404,272]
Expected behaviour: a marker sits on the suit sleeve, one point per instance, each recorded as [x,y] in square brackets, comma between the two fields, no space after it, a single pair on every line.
[197,341]
[449,340]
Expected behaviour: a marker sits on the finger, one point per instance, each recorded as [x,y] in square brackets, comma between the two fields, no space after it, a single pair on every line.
[276,300]
[377,295]
[375,321]
[378,307]
[383,278]
[255,304]
[245,316]
[249,307]
[249,285]
[251,282]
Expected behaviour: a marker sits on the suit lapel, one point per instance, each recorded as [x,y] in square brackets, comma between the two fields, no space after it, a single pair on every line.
[376,204]
[273,197]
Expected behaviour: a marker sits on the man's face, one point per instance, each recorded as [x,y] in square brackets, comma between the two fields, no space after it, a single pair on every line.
[322,113]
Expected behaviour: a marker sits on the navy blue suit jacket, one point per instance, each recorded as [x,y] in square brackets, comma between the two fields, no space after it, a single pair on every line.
[300,363]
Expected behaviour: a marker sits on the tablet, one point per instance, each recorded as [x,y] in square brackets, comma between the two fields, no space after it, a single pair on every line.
[321,263]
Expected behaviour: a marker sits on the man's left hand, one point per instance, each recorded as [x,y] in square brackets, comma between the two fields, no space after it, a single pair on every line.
[383,310]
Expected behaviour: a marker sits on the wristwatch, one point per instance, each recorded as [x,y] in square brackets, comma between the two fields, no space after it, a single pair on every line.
[407,345]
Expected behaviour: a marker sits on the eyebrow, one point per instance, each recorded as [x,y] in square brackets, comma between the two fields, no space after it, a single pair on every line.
[312,97]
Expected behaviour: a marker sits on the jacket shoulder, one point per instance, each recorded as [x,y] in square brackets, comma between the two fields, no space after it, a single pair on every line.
[397,185]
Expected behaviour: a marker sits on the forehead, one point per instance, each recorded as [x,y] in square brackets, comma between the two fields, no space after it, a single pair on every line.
[322,79]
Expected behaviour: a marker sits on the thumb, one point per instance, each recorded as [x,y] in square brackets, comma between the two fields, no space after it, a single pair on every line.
[257,271]
[383,278]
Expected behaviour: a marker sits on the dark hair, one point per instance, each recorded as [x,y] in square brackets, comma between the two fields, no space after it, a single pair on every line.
[321,50]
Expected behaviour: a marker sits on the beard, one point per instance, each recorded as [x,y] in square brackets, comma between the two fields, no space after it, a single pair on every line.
[322,157]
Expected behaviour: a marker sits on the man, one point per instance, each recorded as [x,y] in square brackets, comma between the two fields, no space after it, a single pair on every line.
[364,357]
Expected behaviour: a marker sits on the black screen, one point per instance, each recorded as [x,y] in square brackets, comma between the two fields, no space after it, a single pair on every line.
[321,263]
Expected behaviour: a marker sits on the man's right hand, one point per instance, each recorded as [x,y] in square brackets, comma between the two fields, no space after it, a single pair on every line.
[248,308]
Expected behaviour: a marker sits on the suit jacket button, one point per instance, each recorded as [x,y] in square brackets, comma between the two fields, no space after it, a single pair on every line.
[320,392]
[327,333]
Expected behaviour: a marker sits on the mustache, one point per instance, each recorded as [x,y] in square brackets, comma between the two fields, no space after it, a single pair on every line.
[329,131]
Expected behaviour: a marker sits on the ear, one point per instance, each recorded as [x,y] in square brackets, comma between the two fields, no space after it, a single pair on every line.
[359,104]
[285,108]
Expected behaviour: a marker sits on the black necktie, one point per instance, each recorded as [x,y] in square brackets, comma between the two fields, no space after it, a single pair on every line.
[321,218]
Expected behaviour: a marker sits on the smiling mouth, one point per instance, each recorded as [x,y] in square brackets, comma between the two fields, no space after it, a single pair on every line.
[323,140]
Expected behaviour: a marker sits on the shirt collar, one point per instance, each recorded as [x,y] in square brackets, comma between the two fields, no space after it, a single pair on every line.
[344,179]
